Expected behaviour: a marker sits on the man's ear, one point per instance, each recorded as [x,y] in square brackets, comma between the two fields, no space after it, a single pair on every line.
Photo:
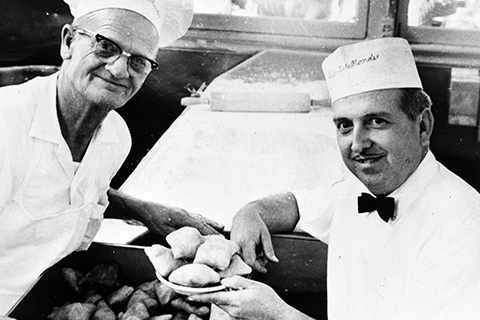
[66,43]
[426,126]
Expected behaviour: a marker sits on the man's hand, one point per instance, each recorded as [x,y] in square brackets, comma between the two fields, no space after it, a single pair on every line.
[162,219]
[252,225]
[252,235]
[249,299]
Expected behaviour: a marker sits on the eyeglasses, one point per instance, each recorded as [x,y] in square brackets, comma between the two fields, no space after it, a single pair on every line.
[108,51]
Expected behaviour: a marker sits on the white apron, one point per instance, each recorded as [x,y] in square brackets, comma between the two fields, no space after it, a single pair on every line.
[32,244]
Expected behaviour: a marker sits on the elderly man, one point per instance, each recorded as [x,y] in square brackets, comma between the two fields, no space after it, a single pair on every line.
[403,232]
[61,141]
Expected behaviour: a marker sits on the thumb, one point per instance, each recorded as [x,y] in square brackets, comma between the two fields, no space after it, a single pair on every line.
[215,224]
[268,248]
[237,283]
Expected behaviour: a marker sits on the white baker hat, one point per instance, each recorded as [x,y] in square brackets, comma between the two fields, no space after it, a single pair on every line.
[172,18]
[384,63]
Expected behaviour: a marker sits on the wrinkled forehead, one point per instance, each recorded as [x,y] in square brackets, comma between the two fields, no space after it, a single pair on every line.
[122,25]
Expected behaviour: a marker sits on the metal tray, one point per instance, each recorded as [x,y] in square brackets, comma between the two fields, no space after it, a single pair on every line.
[52,290]
[299,277]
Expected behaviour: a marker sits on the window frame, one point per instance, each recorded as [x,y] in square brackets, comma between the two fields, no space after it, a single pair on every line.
[222,32]
[441,36]
[281,26]
[454,37]
[439,46]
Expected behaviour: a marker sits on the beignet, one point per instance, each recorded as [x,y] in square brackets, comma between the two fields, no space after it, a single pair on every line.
[73,311]
[118,300]
[140,296]
[237,267]
[194,275]
[165,294]
[184,242]
[162,259]
[103,312]
[101,276]
[137,311]
[216,252]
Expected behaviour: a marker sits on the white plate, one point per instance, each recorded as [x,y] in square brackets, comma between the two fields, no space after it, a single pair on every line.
[189,290]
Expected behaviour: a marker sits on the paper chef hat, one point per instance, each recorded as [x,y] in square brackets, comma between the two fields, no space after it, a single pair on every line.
[172,18]
[384,63]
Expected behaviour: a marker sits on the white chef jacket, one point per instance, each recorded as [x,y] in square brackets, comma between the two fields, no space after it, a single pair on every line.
[425,264]
[49,206]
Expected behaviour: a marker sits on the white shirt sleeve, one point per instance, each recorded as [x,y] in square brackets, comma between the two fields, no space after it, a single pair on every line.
[315,213]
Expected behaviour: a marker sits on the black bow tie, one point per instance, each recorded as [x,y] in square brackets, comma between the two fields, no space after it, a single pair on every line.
[385,206]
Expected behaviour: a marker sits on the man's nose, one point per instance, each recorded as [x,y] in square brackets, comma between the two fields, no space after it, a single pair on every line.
[119,67]
[360,140]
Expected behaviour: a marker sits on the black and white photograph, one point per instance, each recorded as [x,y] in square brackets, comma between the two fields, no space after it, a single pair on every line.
[240,160]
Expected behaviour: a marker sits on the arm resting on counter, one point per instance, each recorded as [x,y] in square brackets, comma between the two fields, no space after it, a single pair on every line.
[254,222]
[161,219]
[279,212]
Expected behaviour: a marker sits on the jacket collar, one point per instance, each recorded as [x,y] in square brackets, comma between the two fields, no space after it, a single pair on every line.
[419,179]
[45,123]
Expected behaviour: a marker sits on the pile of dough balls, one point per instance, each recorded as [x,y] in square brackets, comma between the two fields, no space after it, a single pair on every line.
[100,294]
[196,261]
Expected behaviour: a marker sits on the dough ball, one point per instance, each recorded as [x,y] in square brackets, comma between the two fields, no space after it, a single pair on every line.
[184,242]
[216,252]
[194,275]
[162,259]
[73,311]
[237,267]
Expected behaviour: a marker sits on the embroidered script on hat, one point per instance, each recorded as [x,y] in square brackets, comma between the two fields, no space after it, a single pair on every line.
[351,64]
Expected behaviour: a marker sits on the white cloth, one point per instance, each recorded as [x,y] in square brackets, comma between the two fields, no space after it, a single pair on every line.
[47,210]
[383,63]
[422,265]
[171,18]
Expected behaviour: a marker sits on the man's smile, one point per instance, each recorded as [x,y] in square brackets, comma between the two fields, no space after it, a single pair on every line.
[368,159]
[113,83]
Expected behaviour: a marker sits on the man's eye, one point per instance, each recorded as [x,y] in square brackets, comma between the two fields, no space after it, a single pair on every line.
[344,127]
[139,63]
[377,122]
[107,48]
